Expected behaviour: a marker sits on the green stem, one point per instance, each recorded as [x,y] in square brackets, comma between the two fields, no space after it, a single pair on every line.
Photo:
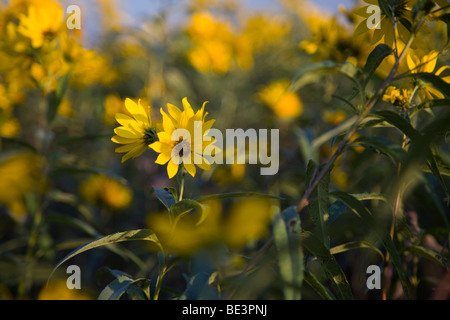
[182,174]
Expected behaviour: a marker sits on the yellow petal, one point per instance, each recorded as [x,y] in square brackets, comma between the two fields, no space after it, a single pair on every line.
[126,133]
[190,168]
[172,169]
[162,159]
[128,147]
[173,111]
[187,107]
[168,124]
[137,111]
[410,63]
[122,140]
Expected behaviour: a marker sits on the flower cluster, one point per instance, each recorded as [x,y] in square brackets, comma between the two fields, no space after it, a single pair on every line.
[137,133]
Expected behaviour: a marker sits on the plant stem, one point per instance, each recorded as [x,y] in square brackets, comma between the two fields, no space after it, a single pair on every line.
[181,183]
[304,201]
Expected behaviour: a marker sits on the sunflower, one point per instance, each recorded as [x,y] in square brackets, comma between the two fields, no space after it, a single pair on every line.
[43,22]
[427,65]
[136,132]
[385,27]
[187,149]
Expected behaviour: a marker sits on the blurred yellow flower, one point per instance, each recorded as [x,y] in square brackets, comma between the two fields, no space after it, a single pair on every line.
[19,176]
[42,22]
[9,127]
[334,117]
[87,67]
[212,49]
[427,65]
[187,235]
[57,290]
[136,132]
[65,108]
[248,220]
[398,97]
[113,104]
[187,120]
[385,29]
[102,190]
[284,103]
[211,55]
[330,40]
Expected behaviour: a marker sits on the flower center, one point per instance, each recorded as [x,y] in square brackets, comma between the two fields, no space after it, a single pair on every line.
[150,136]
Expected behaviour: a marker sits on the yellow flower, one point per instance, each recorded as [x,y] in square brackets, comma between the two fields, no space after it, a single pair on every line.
[248,220]
[385,28]
[398,97]
[113,104]
[43,22]
[9,127]
[285,104]
[334,117]
[211,55]
[103,190]
[57,290]
[330,40]
[170,151]
[136,132]
[19,176]
[427,65]
[187,235]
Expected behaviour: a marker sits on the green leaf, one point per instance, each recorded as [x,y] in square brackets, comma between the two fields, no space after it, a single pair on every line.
[385,8]
[331,267]
[183,207]
[318,206]
[433,103]
[233,195]
[381,146]
[140,234]
[286,228]
[374,60]
[423,252]
[355,245]
[422,8]
[434,80]
[360,210]
[303,76]
[198,288]
[123,283]
[329,135]
[54,98]
[85,227]
[19,142]
[317,286]
[420,146]
[166,198]
[446,19]
[115,289]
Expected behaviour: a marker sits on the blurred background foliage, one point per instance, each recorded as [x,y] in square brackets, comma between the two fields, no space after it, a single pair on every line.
[61,184]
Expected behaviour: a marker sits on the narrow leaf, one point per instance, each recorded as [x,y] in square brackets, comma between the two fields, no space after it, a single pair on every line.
[331,267]
[140,234]
[360,210]
[166,198]
[318,208]
[374,60]
[290,256]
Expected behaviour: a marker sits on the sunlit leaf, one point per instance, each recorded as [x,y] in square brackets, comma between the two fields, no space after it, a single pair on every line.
[286,228]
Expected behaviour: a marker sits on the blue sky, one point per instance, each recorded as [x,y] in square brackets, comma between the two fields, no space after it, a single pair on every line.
[136,10]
